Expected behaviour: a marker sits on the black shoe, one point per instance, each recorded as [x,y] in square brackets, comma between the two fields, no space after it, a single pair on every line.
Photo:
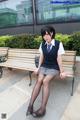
[29,110]
[38,113]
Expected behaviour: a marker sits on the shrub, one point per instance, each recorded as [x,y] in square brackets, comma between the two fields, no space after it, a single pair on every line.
[63,38]
[3,39]
[74,43]
[37,41]
[21,41]
[70,42]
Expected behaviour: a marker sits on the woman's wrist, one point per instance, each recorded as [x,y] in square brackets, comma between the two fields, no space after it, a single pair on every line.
[61,71]
[39,66]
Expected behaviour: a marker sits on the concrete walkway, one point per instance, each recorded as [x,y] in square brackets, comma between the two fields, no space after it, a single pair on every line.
[15,94]
[72,111]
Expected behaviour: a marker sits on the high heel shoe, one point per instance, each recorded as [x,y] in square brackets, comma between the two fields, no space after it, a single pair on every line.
[38,113]
[29,110]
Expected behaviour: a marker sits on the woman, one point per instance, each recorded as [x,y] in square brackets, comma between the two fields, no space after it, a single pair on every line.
[50,64]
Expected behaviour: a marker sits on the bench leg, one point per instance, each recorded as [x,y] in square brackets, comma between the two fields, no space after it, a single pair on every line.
[72,87]
[1,72]
[9,68]
[30,72]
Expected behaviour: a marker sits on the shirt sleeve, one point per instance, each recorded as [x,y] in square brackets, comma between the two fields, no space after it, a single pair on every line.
[40,48]
[61,49]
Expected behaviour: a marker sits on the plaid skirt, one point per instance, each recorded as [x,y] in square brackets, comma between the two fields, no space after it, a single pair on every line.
[47,71]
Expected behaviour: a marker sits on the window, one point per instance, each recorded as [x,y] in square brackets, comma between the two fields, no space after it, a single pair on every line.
[15,12]
[54,12]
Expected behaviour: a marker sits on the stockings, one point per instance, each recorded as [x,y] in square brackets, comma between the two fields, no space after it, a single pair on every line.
[45,92]
[35,93]
[45,95]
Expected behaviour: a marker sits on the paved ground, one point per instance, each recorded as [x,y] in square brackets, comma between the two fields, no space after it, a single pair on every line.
[15,94]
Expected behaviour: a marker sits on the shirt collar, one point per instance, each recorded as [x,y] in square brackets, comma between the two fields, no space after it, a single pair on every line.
[52,42]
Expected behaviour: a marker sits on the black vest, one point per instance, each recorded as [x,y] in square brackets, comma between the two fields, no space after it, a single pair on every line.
[50,58]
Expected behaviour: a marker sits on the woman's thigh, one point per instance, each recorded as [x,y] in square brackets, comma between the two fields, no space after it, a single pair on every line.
[48,78]
[40,77]
[47,74]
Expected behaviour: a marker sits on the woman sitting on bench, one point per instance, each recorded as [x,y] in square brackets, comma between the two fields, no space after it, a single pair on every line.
[50,65]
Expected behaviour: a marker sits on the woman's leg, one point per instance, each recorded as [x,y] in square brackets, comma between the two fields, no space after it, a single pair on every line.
[46,90]
[36,89]
[45,95]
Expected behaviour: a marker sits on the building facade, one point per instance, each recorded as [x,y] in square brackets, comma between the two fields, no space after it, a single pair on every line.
[28,16]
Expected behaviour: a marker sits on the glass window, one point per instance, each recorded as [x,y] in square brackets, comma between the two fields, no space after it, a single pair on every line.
[15,12]
[57,11]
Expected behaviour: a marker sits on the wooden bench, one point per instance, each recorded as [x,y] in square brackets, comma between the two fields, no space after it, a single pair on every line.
[3,50]
[24,59]
[69,65]
[3,56]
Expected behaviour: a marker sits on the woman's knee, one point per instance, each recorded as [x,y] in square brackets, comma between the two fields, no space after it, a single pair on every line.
[39,81]
[45,82]
[40,78]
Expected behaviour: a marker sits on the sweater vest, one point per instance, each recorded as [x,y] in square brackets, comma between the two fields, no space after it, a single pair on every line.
[50,58]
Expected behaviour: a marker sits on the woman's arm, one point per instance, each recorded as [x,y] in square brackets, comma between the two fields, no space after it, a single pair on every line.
[40,60]
[59,60]
[41,56]
[62,73]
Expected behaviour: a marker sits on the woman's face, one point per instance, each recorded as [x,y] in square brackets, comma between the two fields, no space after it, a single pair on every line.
[47,37]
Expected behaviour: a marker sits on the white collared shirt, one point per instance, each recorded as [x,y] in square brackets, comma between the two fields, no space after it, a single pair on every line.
[60,50]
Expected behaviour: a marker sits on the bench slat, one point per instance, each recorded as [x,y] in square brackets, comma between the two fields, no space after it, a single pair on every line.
[3,50]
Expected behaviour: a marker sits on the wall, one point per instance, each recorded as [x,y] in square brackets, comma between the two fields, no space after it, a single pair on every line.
[65,28]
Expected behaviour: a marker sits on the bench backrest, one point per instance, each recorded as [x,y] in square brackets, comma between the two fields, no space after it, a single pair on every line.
[25,55]
[3,50]
[22,58]
[68,61]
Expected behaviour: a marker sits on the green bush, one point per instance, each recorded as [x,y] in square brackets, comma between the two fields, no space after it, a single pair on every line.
[70,42]
[63,38]
[21,41]
[37,40]
[24,41]
[74,42]
[3,39]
